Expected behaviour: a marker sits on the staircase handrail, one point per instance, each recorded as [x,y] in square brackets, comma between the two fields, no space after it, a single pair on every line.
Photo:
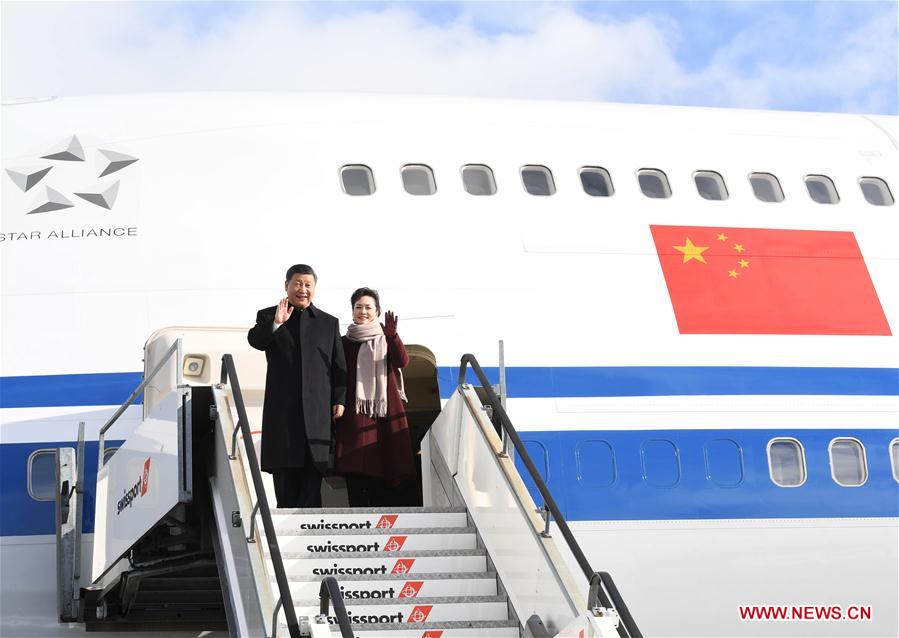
[330,593]
[229,372]
[548,500]
[174,348]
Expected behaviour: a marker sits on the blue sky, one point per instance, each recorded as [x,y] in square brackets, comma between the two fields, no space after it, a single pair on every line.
[818,56]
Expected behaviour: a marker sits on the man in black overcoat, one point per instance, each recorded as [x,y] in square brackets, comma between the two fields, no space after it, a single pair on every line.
[305,389]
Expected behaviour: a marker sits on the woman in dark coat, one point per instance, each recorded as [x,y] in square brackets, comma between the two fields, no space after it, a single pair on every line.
[374,449]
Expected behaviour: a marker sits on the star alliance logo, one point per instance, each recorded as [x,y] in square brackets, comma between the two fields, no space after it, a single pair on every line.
[67,177]
[61,159]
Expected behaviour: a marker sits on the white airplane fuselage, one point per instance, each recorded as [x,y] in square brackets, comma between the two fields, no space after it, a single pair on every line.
[653,439]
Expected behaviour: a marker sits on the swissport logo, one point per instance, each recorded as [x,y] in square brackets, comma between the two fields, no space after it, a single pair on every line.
[395,543]
[403,566]
[433,633]
[139,489]
[411,588]
[420,613]
[386,521]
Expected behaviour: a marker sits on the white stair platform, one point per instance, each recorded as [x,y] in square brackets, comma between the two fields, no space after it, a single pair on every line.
[416,610]
[455,629]
[377,540]
[367,518]
[367,587]
[340,564]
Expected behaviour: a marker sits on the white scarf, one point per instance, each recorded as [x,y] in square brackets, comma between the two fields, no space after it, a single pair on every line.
[371,369]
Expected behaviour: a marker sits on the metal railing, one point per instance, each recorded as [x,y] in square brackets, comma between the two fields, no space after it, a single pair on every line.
[550,507]
[174,348]
[229,374]
[330,593]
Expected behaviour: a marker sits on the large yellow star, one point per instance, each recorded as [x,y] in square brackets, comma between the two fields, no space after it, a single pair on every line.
[692,252]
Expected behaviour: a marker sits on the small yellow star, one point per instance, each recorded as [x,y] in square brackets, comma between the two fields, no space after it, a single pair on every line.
[722,237]
[744,263]
[739,248]
[692,252]
[733,273]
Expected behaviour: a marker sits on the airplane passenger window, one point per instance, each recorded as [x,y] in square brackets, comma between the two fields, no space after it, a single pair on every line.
[418,179]
[710,185]
[723,462]
[357,179]
[654,183]
[876,191]
[786,462]
[766,187]
[894,457]
[595,463]
[596,181]
[537,180]
[478,179]
[661,463]
[848,465]
[821,189]
[42,475]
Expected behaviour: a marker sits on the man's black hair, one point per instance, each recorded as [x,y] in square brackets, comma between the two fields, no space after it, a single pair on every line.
[366,292]
[300,269]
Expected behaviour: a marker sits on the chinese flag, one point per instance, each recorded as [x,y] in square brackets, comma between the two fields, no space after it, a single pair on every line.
[768,281]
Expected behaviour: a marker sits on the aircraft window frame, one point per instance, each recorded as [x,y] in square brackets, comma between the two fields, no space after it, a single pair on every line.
[660,176]
[717,179]
[833,196]
[802,463]
[357,167]
[864,460]
[893,450]
[538,169]
[597,170]
[52,452]
[430,179]
[882,188]
[484,169]
[770,179]
[650,471]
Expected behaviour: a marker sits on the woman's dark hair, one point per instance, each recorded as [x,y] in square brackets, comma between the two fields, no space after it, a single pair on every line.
[366,292]
[300,269]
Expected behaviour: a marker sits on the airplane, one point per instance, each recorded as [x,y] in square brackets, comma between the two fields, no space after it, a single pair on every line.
[697,308]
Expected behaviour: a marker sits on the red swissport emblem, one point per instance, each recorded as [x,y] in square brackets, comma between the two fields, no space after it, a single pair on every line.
[395,543]
[145,480]
[411,588]
[420,613]
[403,566]
[433,633]
[386,521]
[768,281]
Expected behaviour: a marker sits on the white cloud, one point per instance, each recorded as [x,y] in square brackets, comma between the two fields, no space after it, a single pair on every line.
[550,52]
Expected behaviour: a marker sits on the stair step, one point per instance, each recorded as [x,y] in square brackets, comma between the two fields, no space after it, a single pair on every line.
[454,629]
[376,540]
[415,610]
[162,583]
[361,518]
[366,587]
[420,562]
[171,596]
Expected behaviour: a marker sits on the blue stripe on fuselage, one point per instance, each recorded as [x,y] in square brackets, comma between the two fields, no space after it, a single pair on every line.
[704,474]
[523,382]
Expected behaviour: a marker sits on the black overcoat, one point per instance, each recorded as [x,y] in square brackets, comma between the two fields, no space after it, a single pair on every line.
[306,375]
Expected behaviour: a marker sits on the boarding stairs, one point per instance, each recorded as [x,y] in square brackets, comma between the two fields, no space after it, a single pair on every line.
[184,492]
